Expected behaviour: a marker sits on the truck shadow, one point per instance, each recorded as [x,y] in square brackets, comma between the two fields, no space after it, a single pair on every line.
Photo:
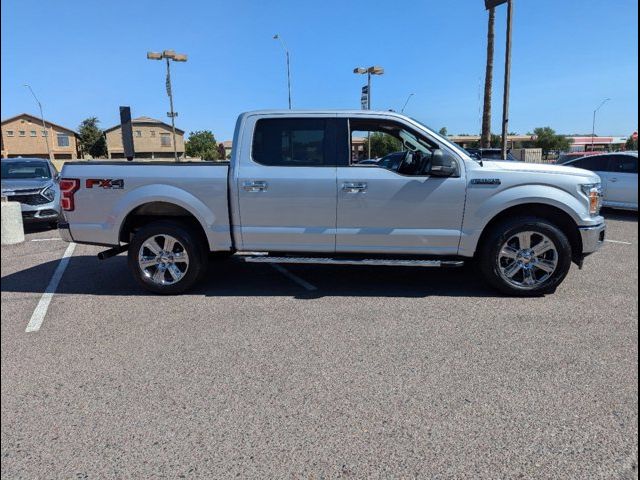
[86,275]
[620,215]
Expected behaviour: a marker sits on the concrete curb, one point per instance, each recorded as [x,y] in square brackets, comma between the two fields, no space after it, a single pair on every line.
[12,228]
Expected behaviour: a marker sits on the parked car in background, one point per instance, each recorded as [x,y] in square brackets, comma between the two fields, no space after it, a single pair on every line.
[619,175]
[569,156]
[33,182]
[490,154]
[390,161]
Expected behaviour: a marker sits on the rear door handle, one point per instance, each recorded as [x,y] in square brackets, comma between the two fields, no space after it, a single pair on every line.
[354,187]
[255,186]
[613,180]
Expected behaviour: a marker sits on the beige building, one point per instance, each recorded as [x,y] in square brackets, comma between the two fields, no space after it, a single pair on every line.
[24,136]
[151,139]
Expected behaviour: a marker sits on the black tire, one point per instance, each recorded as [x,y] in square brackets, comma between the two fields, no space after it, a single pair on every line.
[187,241]
[490,261]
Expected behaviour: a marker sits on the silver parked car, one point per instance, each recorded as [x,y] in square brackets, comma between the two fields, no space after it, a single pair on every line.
[34,183]
[619,174]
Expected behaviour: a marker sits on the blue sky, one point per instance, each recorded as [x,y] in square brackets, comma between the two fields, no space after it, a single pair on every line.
[84,59]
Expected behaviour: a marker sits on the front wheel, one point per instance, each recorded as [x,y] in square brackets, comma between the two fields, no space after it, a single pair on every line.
[166,257]
[526,257]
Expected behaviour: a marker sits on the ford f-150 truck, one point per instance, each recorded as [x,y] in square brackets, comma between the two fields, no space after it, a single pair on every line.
[293,193]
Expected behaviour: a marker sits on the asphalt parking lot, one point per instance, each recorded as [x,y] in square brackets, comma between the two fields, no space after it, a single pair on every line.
[318,371]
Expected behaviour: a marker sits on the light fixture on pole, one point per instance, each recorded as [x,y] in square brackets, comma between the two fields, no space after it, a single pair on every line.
[45,132]
[176,57]
[405,103]
[286,52]
[373,70]
[593,127]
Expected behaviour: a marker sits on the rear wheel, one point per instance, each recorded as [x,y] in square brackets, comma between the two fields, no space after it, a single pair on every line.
[526,257]
[166,257]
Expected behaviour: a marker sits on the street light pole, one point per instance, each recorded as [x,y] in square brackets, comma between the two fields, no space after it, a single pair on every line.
[45,132]
[593,127]
[172,114]
[405,103]
[176,57]
[373,70]
[286,51]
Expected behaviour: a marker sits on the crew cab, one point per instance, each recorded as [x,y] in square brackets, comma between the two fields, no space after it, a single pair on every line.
[291,193]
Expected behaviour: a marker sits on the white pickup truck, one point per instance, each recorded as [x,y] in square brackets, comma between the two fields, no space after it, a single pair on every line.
[294,193]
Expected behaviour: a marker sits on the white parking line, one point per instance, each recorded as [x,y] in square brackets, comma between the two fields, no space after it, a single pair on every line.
[45,239]
[618,241]
[43,305]
[295,278]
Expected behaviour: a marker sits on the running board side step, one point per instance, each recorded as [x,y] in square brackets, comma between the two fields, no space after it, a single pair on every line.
[389,262]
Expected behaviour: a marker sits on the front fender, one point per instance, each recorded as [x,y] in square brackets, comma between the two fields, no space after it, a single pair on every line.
[482,208]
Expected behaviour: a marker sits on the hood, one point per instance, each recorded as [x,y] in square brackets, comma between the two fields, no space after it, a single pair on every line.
[537,168]
[25,183]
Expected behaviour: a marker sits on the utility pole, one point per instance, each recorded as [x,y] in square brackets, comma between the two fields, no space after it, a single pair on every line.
[45,132]
[507,80]
[485,138]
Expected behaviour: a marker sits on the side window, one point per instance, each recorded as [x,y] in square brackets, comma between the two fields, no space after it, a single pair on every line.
[595,163]
[390,145]
[623,164]
[291,142]
[63,140]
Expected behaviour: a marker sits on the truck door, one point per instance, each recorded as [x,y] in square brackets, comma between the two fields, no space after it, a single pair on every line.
[286,184]
[393,205]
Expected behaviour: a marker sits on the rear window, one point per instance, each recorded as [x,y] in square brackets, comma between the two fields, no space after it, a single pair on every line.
[25,170]
[290,142]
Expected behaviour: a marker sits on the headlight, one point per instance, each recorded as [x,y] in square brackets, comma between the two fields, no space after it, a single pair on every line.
[49,193]
[593,192]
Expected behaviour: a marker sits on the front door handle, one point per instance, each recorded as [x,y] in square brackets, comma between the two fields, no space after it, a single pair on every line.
[613,180]
[354,187]
[255,186]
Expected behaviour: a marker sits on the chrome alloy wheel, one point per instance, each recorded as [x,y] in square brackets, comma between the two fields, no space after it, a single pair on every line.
[527,259]
[163,259]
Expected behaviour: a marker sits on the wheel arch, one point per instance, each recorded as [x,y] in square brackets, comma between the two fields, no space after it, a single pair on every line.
[553,214]
[155,210]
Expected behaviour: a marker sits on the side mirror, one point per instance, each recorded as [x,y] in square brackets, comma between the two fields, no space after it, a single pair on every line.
[442,165]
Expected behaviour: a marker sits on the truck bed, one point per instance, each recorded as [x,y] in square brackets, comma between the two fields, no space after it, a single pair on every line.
[200,188]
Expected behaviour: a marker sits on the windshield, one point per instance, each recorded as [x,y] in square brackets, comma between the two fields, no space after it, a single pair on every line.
[25,169]
[453,146]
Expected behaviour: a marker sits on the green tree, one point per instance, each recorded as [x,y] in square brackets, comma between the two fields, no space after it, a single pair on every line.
[547,139]
[382,144]
[495,141]
[631,143]
[443,131]
[202,144]
[91,138]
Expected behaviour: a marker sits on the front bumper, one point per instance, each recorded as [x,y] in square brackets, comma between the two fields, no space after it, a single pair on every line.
[46,213]
[592,237]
